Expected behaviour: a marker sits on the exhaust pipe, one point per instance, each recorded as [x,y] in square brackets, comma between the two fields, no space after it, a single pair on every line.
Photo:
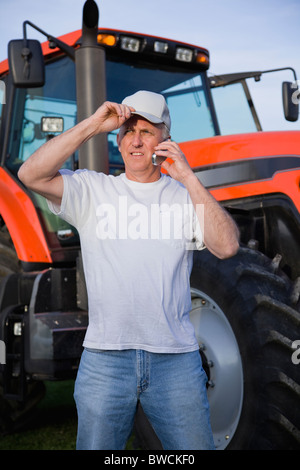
[91,88]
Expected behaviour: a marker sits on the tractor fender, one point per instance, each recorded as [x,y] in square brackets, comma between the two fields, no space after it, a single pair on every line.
[22,222]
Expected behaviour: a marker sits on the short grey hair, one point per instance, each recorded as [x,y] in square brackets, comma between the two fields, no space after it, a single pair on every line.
[165,130]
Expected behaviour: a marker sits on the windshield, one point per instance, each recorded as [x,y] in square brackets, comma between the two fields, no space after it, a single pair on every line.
[185,92]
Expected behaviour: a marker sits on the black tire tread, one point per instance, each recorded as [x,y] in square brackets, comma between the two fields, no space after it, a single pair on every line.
[265,326]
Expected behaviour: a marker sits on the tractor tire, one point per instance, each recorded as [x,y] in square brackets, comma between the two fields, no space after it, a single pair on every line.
[14,414]
[9,262]
[245,326]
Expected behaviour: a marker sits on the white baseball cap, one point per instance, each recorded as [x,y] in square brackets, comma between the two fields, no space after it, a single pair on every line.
[151,106]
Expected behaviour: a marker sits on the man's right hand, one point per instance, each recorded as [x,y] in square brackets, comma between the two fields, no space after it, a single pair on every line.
[111,116]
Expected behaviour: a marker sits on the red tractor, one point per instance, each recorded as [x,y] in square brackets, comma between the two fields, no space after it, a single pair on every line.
[246,309]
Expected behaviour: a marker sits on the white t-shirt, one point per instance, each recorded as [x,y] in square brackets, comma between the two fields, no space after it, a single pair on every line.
[136,241]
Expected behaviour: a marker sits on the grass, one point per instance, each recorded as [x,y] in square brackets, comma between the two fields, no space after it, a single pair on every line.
[54,425]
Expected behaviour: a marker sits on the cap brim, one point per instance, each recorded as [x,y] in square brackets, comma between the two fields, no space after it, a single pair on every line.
[149,117]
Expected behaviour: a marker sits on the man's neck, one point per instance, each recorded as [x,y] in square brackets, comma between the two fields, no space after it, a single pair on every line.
[143,177]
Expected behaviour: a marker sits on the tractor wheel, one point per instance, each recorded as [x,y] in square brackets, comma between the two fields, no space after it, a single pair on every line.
[14,414]
[9,262]
[245,327]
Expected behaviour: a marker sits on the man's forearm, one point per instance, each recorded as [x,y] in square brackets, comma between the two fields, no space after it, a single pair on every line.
[44,164]
[41,171]
[221,235]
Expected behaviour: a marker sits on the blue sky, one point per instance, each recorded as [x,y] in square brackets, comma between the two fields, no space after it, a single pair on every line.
[241,35]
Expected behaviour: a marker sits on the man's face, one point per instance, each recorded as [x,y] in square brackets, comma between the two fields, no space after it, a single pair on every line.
[136,141]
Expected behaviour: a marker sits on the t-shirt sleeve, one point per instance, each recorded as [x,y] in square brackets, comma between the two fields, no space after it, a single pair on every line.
[75,198]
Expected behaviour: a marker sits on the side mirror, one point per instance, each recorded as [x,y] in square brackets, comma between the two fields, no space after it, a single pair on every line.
[291,98]
[26,63]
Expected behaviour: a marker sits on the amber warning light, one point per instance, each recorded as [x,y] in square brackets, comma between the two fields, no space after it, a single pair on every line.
[107,39]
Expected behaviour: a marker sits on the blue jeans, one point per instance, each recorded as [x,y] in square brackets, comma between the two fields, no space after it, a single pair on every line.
[171,389]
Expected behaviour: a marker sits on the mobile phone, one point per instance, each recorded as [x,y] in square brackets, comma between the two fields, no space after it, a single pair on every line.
[157,159]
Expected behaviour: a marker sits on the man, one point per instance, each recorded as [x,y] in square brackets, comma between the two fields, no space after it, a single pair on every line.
[136,234]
